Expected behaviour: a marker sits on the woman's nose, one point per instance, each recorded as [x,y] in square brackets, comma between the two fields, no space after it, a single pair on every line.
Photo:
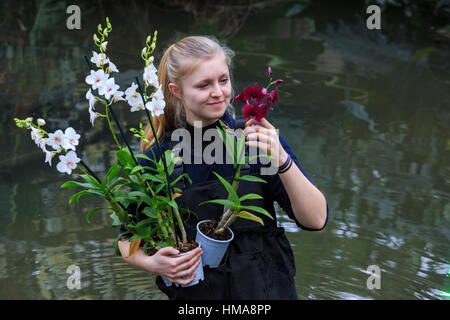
[216,92]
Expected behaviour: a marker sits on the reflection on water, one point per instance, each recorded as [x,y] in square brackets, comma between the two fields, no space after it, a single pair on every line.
[368,120]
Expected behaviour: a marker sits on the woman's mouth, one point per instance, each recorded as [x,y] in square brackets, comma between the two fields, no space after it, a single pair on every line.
[216,104]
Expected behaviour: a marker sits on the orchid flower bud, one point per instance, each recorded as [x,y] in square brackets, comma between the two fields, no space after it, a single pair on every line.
[96,39]
[269,71]
[149,38]
[264,90]
[278,81]
[41,122]
[104,45]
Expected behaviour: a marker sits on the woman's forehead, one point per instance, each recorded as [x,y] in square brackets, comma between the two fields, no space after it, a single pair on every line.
[210,68]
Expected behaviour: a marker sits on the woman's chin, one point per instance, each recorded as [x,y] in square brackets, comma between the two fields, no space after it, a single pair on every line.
[216,111]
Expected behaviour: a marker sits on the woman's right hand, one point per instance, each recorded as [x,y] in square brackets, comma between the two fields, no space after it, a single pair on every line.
[162,262]
[175,269]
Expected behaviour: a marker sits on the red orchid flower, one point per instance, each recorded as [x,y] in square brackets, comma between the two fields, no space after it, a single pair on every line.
[273,96]
[258,101]
[250,93]
[254,111]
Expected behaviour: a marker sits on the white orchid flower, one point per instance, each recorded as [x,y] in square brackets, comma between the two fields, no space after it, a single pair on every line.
[150,76]
[109,88]
[97,78]
[58,140]
[118,96]
[94,115]
[139,106]
[72,137]
[49,156]
[111,68]
[133,98]
[91,98]
[99,59]
[68,162]
[36,135]
[157,104]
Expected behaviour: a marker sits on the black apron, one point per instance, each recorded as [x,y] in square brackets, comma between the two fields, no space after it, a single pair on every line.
[259,263]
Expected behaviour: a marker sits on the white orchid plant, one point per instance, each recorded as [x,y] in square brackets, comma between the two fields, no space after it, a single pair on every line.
[141,199]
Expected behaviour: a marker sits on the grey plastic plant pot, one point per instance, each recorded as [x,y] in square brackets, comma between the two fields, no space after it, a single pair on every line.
[198,273]
[213,250]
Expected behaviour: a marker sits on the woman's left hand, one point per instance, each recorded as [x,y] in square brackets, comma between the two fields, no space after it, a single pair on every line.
[265,138]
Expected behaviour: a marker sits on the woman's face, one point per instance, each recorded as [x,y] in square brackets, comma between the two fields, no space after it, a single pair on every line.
[205,91]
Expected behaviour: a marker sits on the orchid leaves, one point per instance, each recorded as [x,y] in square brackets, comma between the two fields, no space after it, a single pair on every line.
[239,210]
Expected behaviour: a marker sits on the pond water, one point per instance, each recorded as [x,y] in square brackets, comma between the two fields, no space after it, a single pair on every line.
[367,113]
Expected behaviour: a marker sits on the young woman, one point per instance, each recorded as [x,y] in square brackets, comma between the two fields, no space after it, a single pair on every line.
[259,264]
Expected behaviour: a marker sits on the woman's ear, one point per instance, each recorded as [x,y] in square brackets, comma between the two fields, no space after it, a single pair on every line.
[175,90]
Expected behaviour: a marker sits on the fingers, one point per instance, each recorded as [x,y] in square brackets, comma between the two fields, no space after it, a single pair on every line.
[264,123]
[185,262]
[180,269]
[262,138]
[167,251]
[185,276]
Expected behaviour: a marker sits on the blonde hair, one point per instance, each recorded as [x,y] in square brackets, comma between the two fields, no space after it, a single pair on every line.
[178,61]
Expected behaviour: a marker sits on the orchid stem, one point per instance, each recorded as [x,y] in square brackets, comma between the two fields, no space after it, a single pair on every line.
[111,128]
[122,134]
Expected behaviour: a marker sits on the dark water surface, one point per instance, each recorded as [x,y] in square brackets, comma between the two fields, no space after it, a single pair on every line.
[367,113]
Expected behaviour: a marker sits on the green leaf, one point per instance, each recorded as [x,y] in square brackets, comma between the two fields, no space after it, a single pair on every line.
[92,181]
[250,196]
[251,179]
[258,209]
[247,160]
[136,169]
[227,203]
[144,197]
[143,227]
[143,156]
[112,173]
[76,196]
[241,150]
[150,212]
[74,184]
[135,237]
[153,177]
[116,221]
[125,158]
[229,188]
[249,216]
[176,180]
[90,213]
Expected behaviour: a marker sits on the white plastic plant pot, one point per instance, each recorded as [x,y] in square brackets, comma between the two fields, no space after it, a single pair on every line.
[213,250]
[198,273]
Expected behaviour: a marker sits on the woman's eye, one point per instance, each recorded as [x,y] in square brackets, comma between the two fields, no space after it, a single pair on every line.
[203,85]
[224,80]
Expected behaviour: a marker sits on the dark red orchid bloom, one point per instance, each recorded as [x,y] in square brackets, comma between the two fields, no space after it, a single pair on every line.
[273,96]
[254,112]
[250,93]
